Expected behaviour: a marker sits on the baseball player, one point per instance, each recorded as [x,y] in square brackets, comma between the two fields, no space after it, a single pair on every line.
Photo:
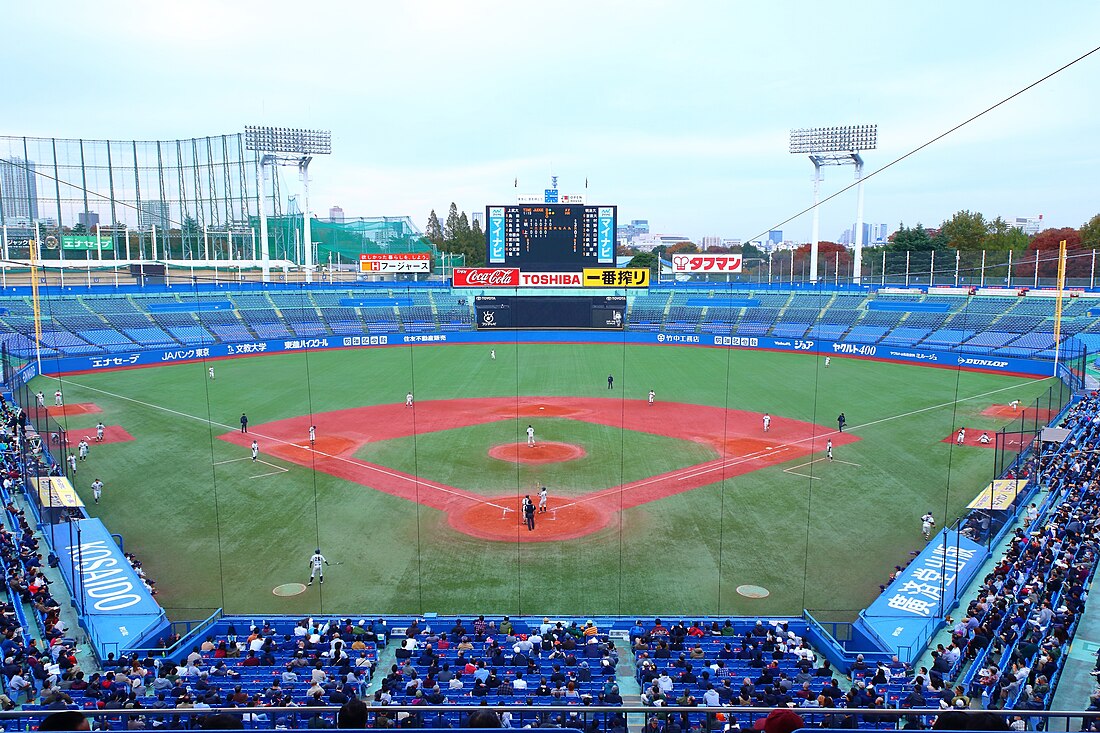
[316,566]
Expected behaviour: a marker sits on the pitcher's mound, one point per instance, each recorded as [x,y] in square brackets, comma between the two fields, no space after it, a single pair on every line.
[538,453]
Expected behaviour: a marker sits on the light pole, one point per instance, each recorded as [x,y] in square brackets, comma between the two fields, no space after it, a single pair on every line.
[288,147]
[836,146]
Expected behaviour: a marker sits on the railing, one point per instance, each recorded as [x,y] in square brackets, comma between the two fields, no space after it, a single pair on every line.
[583,717]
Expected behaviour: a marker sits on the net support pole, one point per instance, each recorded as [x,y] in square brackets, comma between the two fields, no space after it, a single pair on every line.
[35,305]
[816,223]
[1058,301]
[983,269]
[307,235]
[265,254]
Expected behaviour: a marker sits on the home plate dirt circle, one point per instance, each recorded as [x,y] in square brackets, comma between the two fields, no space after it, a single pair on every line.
[753,591]
[548,452]
[288,589]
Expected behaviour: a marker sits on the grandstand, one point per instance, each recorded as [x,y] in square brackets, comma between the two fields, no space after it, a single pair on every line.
[724,651]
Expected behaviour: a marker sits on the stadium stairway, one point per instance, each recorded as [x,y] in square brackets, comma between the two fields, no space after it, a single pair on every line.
[60,592]
[943,636]
[1075,684]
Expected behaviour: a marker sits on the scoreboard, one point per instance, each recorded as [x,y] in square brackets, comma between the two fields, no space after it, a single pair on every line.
[550,237]
[588,312]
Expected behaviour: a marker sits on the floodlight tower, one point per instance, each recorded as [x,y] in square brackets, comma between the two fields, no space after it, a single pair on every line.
[288,147]
[836,146]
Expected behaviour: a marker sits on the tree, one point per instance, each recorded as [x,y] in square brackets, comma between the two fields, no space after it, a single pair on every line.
[916,239]
[1046,244]
[1003,237]
[682,248]
[433,232]
[451,225]
[966,230]
[1090,233]
[646,259]
[828,256]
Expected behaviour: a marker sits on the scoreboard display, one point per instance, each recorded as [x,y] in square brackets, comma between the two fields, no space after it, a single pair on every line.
[590,312]
[550,237]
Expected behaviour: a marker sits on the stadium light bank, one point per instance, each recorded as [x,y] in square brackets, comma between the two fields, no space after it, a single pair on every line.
[288,146]
[836,146]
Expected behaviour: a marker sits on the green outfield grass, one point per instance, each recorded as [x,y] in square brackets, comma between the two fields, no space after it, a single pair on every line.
[214,537]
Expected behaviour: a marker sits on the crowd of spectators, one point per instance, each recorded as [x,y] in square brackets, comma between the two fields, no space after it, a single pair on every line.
[1008,646]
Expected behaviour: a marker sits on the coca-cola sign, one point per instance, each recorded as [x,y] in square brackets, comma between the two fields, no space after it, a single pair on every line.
[485,277]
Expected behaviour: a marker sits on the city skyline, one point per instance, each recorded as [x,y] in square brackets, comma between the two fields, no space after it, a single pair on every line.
[676,113]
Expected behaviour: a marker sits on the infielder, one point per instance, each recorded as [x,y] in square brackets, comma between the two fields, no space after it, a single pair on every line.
[316,566]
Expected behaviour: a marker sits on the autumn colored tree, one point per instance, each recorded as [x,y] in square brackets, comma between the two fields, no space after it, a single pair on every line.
[682,248]
[1046,243]
[827,259]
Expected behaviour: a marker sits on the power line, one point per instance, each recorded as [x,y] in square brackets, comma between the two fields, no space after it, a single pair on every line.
[924,145]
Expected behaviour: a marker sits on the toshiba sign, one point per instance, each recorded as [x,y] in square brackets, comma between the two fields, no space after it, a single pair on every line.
[507,277]
[485,277]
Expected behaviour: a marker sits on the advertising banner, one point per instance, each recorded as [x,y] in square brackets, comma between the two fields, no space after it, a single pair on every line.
[706,264]
[999,495]
[912,607]
[396,262]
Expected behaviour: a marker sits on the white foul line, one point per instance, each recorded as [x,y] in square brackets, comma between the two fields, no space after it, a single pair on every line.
[476,498]
[345,459]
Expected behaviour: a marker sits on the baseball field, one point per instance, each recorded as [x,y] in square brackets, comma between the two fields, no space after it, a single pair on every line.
[683,506]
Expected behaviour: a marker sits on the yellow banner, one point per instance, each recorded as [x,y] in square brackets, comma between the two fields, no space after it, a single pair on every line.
[616,277]
[56,491]
[998,495]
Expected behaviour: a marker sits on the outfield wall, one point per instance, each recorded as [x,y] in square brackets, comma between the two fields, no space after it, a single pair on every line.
[58,366]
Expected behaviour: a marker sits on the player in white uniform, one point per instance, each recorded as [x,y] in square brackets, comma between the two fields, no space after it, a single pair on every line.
[41,399]
[530,435]
[210,371]
[927,522]
[57,398]
[316,566]
[961,437]
[312,434]
[767,421]
[828,359]
[72,462]
[82,447]
[829,449]
[99,428]
[542,500]
[409,400]
[984,440]
[493,354]
[255,451]
[97,490]
[652,395]
[1015,404]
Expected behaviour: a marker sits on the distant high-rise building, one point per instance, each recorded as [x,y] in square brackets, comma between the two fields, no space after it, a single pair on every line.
[1029,225]
[627,233]
[154,213]
[711,241]
[775,236]
[336,214]
[731,243]
[19,191]
[88,219]
[872,234]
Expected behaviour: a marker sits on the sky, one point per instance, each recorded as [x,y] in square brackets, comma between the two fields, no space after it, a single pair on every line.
[678,112]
